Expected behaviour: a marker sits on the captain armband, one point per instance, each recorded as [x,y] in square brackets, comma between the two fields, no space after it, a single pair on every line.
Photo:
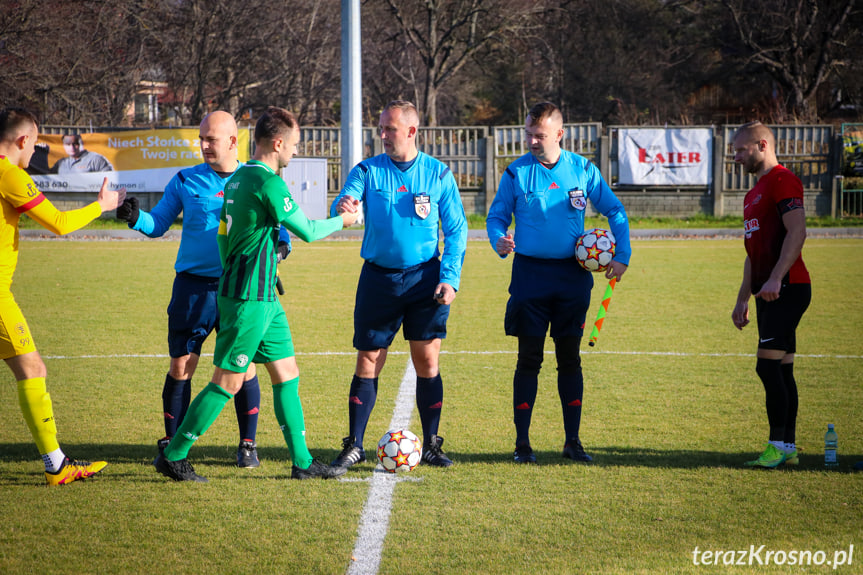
[789,204]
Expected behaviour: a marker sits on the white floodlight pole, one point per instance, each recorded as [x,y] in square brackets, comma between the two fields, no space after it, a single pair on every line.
[352,126]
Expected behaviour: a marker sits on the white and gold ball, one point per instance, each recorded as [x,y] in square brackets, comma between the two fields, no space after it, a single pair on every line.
[399,450]
[594,250]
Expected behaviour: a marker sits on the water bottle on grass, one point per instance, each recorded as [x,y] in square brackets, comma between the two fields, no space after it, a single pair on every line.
[830,444]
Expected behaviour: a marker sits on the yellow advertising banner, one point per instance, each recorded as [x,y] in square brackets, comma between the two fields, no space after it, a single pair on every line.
[852,141]
[140,160]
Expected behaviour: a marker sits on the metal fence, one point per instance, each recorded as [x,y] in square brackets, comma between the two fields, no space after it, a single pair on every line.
[509,143]
[325,143]
[477,156]
[462,149]
[806,150]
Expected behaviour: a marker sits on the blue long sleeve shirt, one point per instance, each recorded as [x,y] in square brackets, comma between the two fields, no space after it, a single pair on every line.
[548,206]
[198,193]
[404,212]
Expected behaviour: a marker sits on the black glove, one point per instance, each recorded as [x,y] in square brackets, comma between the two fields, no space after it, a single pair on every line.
[129,210]
[283,251]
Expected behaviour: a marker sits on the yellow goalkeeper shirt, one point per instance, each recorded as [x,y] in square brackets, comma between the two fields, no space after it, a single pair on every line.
[19,195]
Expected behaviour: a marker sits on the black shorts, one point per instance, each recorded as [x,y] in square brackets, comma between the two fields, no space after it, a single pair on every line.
[778,319]
[388,300]
[192,314]
[545,292]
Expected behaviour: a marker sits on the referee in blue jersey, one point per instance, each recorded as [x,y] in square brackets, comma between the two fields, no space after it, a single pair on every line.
[198,193]
[407,197]
[546,192]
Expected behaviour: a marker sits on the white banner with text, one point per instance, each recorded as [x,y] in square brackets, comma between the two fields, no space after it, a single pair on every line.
[664,156]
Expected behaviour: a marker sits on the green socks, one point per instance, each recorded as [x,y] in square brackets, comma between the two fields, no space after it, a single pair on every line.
[289,414]
[208,404]
[203,411]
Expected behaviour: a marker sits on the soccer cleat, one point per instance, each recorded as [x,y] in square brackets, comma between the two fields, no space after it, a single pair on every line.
[317,469]
[524,454]
[350,455]
[573,450]
[772,457]
[433,454]
[72,471]
[180,470]
[247,454]
[792,458]
[161,445]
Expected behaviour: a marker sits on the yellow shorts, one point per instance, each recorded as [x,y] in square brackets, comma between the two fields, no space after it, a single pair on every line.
[15,338]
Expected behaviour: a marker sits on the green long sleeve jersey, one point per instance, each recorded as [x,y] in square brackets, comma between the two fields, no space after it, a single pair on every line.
[257,202]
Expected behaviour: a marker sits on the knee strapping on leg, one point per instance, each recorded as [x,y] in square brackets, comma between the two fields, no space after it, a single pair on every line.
[530,351]
[566,351]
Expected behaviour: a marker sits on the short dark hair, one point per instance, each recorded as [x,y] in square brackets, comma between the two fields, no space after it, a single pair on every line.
[405,107]
[76,138]
[11,121]
[273,123]
[755,131]
[543,110]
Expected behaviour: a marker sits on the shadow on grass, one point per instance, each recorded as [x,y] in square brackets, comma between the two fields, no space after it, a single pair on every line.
[277,460]
[657,458]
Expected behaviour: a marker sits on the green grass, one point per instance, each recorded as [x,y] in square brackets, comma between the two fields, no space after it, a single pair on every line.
[477,222]
[672,409]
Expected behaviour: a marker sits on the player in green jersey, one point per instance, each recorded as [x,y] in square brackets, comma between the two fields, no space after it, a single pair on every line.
[254,327]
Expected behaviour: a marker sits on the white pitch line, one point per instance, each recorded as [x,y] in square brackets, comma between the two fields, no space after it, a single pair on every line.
[375,520]
[492,352]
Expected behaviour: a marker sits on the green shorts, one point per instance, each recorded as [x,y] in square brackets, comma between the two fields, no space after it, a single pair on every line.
[254,331]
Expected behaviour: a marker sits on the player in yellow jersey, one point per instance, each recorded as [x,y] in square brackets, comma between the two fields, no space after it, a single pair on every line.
[19,195]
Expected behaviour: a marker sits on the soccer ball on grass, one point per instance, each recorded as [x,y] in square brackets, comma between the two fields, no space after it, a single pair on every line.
[594,250]
[399,450]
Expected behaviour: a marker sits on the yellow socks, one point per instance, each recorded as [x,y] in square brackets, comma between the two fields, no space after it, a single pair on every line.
[35,402]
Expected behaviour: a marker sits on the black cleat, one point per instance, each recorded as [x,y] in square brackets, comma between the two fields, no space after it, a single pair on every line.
[161,445]
[573,450]
[433,454]
[524,454]
[350,455]
[317,469]
[180,470]
[247,454]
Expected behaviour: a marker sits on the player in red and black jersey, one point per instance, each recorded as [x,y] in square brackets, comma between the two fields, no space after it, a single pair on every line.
[775,229]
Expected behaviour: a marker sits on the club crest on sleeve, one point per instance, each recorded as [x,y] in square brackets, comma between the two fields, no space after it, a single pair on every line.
[422,205]
[576,199]
[288,204]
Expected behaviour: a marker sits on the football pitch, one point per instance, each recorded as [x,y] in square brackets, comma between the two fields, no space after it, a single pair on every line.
[672,409]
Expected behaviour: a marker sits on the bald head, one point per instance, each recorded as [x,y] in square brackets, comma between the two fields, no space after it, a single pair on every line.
[220,121]
[755,148]
[218,137]
[755,132]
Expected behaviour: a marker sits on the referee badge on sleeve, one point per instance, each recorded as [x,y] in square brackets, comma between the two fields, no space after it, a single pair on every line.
[576,198]
[422,205]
